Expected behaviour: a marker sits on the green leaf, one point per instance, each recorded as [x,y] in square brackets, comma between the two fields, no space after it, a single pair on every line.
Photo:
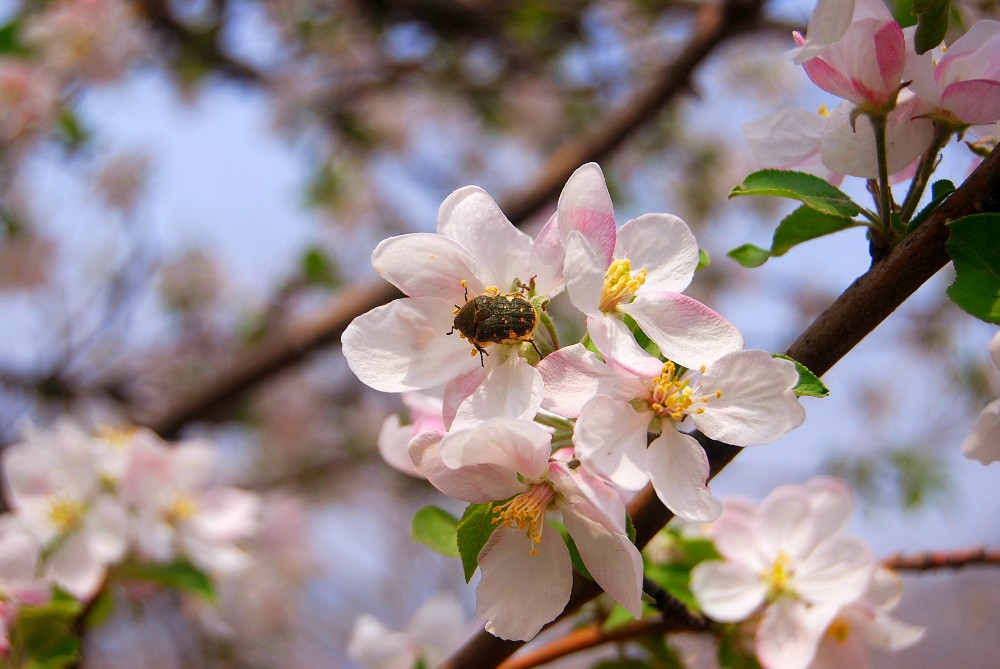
[808,189]
[70,130]
[645,343]
[974,246]
[46,633]
[939,192]
[809,384]
[802,225]
[932,23]
[704,260]
[9,42]
[100,609]
[474,529]
[179,574]
[733,651]
[750,256]
[435,527]
[318,269]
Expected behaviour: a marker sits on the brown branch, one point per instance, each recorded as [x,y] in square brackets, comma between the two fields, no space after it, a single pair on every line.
[933,560]
[289,345]
[865,304]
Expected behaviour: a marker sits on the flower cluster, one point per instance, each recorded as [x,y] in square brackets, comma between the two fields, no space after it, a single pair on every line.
[533,429]
[857,52]
[84,504]
[816,596]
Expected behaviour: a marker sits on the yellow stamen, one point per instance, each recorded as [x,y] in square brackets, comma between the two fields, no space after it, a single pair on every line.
[66,514]
[780,574]
[839,630]
[527,512]
[118,436]
[620,284]
[182,508]
[823,111]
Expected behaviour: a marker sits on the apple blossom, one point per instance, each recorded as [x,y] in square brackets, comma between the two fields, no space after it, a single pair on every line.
[526,572]
[789,139]
[476,251]
[179,511]
[637,271]
[789,563]
[437,628]
[394,437]
[866,623]
[55,481]
[862,62]
[743,398]
[983,442]
[20,552]
[961,84]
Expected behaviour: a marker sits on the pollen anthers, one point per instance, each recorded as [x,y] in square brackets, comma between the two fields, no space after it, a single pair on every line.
[671,394]
[779,575]
[527,512]
[66,514]
[181,508]
[620,283]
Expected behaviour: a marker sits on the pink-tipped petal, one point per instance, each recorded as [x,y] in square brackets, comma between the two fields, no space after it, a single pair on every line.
[585,206]
[547,258]
[584,274]
[478,484]
[571,377]
[516,445]
[611,558]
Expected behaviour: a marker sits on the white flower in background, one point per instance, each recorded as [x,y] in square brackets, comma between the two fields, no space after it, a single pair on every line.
[743,398]
[788,563]
[866,624]
[527,574]
[405,345]
[179,510]
[55,482]
[789,139]
[28,98]
[425,414]
[95,40]
[638,271]
[437,628]
[983,442]
[20,552]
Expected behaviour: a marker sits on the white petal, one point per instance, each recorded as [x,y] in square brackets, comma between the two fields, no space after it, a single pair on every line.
[587,493]
[830,503]
[734,538]
[836,572]
[458,389]
[423,264]
[584,273]
[478,484]
[439,622]
[75,567]
[892,634]
[473,219]
[685,330]
[664,246]
[19,553]
[519,593]
[226,515]
[403,345]
[678,469]
[517,445]
[393,440]
[995,350]
[983,442]
[611,558]
[105,529]
[788,139]
[785,524]
[789,634]
[615,342]
[610,439]
[585,205]
[726,591]
[512,389]
[373,645]
[758,404]
[571,377]
[547,258]
[827,24]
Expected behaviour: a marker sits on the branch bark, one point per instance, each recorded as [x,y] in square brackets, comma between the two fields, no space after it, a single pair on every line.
[866,303]
[716,23]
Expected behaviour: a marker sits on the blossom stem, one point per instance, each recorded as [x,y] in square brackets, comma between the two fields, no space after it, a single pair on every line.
[878,121]
[924,170]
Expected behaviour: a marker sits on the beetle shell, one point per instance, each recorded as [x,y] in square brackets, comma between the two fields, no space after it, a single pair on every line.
[496,319]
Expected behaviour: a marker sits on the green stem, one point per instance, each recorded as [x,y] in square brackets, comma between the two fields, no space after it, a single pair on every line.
[878,121]
[924,170]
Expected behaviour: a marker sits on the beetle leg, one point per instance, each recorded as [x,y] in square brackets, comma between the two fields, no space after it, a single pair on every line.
[532,342]
[482,352]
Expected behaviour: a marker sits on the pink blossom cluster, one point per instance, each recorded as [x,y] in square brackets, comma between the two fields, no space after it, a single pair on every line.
[538,429]
[817,598]
[856,51]
[85,504]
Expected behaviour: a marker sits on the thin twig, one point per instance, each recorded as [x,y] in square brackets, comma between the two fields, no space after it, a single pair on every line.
[935,560]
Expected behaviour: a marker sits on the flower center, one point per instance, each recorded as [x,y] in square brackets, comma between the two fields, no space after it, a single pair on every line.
[671,395]
[182,508]
[620,284]
[780,575]
[527,512]
[839,630]
[66,514]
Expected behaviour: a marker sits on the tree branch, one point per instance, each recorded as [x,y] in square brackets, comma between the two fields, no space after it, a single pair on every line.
[288,345]
[933,560]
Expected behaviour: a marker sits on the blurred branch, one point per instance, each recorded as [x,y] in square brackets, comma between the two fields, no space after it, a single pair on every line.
[288,345]
[865,304]
[933,560]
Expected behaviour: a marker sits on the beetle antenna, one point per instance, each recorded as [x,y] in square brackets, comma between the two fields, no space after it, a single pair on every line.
[532,342]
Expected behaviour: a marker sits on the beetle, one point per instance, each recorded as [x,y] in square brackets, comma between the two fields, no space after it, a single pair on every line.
[496,318]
